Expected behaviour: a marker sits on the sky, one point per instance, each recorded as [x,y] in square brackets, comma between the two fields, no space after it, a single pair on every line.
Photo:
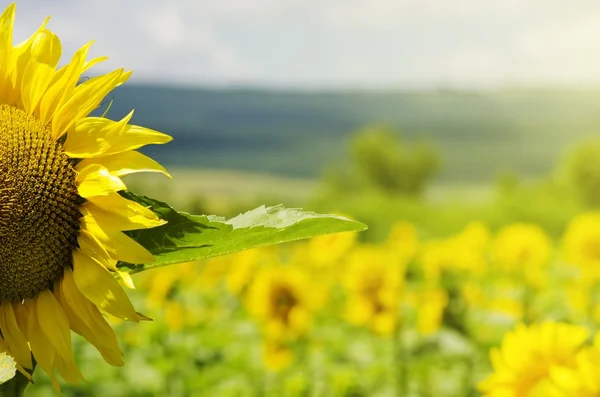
[315,44]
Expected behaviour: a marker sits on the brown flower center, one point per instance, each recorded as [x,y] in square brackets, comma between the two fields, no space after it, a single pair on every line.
[39,206]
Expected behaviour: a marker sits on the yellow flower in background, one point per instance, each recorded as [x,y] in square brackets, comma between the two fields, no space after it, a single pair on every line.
[160,282]
[511,307]
[581,380]
[464,252]
[523,363]
[61,214]
[373,282]
[403,240]
[276,355]
[211,273]
[328,249]
[282,298]
[175,316]
[473,294]
[470,248]
[581,243]
[521,245]
[523,248]
[577,296]
[434,258]
[431,310]
[246,264]
[159,287]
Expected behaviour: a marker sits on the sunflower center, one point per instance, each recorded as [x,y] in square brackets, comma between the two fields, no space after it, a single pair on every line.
[39,206]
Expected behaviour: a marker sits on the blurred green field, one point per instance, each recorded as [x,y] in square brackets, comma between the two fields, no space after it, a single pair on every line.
[409,316]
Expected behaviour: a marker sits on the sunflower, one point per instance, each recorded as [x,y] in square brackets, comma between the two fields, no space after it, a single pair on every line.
[282,300]
[374,282]
[582,380]
[529,355]
[581,244]
[279,298]
[61,215]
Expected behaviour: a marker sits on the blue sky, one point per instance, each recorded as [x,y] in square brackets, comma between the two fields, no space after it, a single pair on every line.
[333,43]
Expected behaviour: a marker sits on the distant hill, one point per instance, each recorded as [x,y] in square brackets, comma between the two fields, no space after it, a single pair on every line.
[298,133]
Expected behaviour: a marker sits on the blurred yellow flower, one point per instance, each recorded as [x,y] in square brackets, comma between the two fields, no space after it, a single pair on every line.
[473,294]
[282,299]
[470,248]
[244,266]
[510,307]
[160,282]
[581,380]
[403,240]
[212,272]
[465,251]
[578,299]
[431,311]
[523,363]
[435,256]
[328,249]
[175,316]
[581,243]
[373,281]
[522,247]
[276,356]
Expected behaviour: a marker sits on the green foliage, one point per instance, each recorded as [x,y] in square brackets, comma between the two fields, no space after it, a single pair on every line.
[384,161]
[507,182]
[450,209]
[580,171]
[192,237]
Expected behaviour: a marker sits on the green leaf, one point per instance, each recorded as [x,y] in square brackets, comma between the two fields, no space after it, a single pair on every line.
[192,237]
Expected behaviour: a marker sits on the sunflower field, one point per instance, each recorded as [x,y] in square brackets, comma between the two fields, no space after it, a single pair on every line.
[510,313]
[106,291]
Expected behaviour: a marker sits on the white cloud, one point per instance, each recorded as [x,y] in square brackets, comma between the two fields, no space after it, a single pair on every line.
[333,42]
[164,27]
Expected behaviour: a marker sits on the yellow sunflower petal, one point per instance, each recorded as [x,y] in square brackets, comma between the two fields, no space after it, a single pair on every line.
[4,349]
[23,54]
[117,244]
[126,163]
[98,137]
[85,98]
[62,86]
[95,180]
[93,62]
[15,340]
[46,46]
[97,285]
[85,319]
[115,220]
[90,246]
[117,212]
[37,76]
[6,29]
[55,326]
[41,347]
